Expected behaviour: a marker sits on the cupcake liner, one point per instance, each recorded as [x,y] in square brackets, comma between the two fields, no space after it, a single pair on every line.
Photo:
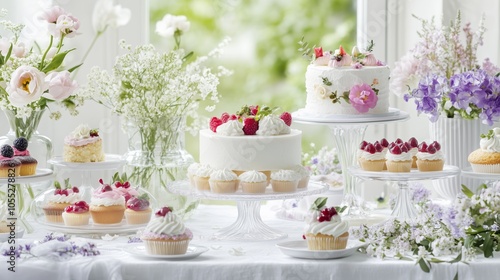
[430,165]
[6,171]
[321,242]
[137,217]
[28,169]
[372,165]
[107,214]
[485,168]
[284,186]
[303,182]
[53,215]
[398,166]
[223,186]
[75,219]
[414,162]
[201,183]
[166,247]
[254,187]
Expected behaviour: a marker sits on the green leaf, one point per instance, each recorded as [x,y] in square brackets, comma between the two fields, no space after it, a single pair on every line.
[56,61]
[66,183]
[116,177]
[75,67]
[9,52]
[319,203]
[457,259]
[424,265]
[488,245]
[467,192]
[187,56]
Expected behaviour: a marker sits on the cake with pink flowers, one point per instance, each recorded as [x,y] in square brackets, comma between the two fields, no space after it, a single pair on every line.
[338,83]
[83,145]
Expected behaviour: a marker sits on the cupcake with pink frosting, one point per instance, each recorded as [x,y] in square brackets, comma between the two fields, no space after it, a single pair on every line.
[107,205]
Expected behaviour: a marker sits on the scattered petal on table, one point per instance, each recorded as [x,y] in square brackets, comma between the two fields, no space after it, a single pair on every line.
[237,251]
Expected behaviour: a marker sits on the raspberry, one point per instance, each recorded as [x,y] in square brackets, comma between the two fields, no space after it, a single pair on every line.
[378,147]
[254,110]
[287,118]
[413,142]
[224,117]
[422,147]
[233,117]
[163,211]
[432,149]
[94,133]
[395,150]
[436,145]
[21,144]
[363,145]
[384,143]
[7,151]
[250,126]
[214,123]
[370,149]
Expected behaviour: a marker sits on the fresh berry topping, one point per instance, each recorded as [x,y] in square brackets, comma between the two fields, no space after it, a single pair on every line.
[378,147]
[250,126]
[124,185]
[384,143]
[57,192]
[64,192]
[431,149]
[303,236]
[163,211]
[21,144]
[7,151]
[370,148]
[327,214]
[391,145]
[395,150]
[78,207]
[287,118]
[404,148]
[75,189]
[94,133]
[436,145]
[82,203]
[342,51]
[398,141]
[363,145]
[225,117]
[254,110]
[408,146]
[422,147]
[233,117]
[214,123]
[138,203]
[413,142]
[105,187]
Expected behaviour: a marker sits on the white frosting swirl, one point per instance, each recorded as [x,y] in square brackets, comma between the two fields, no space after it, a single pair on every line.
[413,151]
[491,145]
[400,157]
[272,125]
[108,198]
[171,224]
[301,170]
[60,198]
[204,171]
[82,131]
[428,156]
[285,175]
[223,175]
[334,227]
[231,128]
[253,176]
[376,156]
[192,168]
[80,136]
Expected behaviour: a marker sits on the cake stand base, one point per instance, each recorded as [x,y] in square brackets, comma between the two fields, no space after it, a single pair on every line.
[248,226]
[404,210]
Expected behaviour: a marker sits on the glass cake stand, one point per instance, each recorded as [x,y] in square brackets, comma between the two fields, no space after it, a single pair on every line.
[404,208]
[111,162]
[348,132]
[248,225]
[487,178]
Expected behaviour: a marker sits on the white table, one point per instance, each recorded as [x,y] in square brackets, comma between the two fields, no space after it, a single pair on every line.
[262,260]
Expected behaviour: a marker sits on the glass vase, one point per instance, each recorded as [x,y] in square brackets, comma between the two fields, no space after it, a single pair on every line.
[157,157]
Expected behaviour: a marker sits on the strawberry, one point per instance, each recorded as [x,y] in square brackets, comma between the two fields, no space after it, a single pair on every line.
[378,147]
[214,123]
[395,150]
[163,211]
[413,142]
[138,203]
[404,148]
[407,145]
[370,149]
[363,145]
[233,117]
[436,145]
[431,149]
[250,126]
[384,143]
[75,189]
[225,117]
[287,118]
[422,147]
[398,141]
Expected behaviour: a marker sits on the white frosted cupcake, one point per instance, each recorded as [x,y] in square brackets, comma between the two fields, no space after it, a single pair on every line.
[285,181]
[191,172]
[304,175]
[107,205]
[58,200]
[398,159]
[223,181]
[201,177]
[253,182]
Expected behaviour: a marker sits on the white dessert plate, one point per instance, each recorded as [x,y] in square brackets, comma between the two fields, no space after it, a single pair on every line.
[298,249]
[413,175]
[110,162]
[40,175]
[193,251]
[393,115]
[4,236]
[469,173]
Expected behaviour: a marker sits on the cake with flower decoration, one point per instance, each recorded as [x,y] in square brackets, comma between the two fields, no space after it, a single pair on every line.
[486,159]
[325,229]
[166,234]
[107,205]
[338,83]
[83,145]
[255,138]
[56,202]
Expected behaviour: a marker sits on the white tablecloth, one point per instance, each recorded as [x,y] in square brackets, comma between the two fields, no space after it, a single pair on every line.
[261,260]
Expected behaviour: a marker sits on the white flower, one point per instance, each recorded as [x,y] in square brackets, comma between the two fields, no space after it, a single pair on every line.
[106,14]
[60,85]
[321,91]
[67,25]
[81,131]
[26,85]
[170,24]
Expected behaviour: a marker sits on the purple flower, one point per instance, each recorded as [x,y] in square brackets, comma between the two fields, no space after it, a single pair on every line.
[134,239]
[428,95]
[420,193]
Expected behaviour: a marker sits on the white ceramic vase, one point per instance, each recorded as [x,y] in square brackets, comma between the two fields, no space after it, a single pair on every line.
[458,138]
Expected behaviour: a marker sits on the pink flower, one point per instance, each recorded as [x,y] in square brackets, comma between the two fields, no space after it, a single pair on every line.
[67,25]
[363,98]
[52,14]
[26,85]
[318,52]
[60,22]
[370,60]
[60,85]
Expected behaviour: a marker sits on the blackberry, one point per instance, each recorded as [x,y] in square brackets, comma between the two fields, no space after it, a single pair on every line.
[21,144]
[7,151]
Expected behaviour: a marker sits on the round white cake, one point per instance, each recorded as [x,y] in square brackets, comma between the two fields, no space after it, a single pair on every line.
[251,152]
[322,81]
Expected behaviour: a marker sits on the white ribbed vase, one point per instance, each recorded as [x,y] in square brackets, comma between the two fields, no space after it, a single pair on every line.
[458,138]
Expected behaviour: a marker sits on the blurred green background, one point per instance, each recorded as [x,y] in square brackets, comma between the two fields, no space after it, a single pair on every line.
[267,68]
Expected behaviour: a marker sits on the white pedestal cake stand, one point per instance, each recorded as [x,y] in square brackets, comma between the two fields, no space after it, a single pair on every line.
[404,208]
[248,225]
[348,132]
[487,178]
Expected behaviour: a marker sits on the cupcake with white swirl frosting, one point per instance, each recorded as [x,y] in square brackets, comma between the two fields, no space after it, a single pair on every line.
[166,234]
[253,182]
[486,159]
[285,181]
[223,181]
[201,177]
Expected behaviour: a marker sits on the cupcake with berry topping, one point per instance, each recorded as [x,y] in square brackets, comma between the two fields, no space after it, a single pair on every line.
[413,143]
[107,205]
[83,145]
[9,166]
[486,159]
[166,234]
[28,163]
[325,229]
[304,175]
[76,214]
[253,182]
[430,157]
[372,157]
[223,181]
[202,176]
[384,144]
[56,202]
[398,159]
[123,186]
[138,210]
[285,181]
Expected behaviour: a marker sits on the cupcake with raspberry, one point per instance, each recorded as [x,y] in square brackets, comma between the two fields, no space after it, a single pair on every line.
[486,159]
[138,210]
[223,181]
[107,205]
[56,202]
[166,234]
[9,165]
[398,159]
[325,229]
[372,158]
[28,163]
[253,182]
[285,181]
[76,214]
[202,176]
[430,157]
